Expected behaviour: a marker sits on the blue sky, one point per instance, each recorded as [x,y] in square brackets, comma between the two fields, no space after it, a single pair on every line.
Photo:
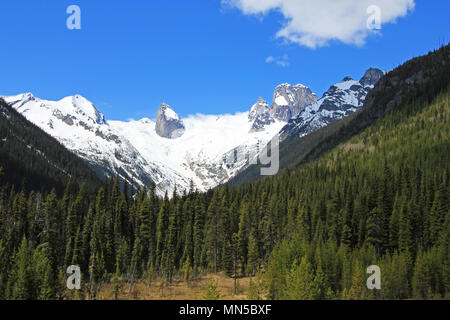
[198,56]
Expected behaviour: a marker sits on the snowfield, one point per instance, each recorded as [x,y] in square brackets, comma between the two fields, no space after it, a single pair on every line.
[201,154]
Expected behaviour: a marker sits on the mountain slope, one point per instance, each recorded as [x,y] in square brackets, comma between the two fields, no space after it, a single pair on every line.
[292,151]
[380,197]
[317,121]
[342,99]
[81,128]
[423,77]
[31,157]
[420,77]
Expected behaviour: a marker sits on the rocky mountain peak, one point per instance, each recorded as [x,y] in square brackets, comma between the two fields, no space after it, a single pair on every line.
[342,99]
[260,115]
[289,101]
[259,108]
[168,123]
[371,77]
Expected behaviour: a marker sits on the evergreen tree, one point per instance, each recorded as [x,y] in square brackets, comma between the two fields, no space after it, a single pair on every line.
[257,288]
[211,292]
[243,235]
[21,280]
[300,281]
[161,227]
[253,255]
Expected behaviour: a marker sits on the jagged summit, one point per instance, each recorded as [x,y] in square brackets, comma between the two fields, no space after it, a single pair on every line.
[371,77]
[168,123]
[289,101]
[260,107]
[341,99]
[260,116]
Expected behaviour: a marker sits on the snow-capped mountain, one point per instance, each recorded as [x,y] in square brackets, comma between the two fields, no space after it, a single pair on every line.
[342,99]
[205,149]
[81,128]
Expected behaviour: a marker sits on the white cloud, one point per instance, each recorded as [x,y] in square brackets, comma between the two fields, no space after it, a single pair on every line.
[313,23]
[282,61]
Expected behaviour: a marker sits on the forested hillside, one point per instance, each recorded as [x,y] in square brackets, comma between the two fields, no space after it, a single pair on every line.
[422,77]
[33,159]
[379,197]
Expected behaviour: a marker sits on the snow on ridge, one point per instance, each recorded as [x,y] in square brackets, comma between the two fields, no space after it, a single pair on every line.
[281,101]
[346,85]
[133,150]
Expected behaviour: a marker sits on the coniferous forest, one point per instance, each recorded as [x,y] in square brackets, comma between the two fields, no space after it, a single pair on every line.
[379,197]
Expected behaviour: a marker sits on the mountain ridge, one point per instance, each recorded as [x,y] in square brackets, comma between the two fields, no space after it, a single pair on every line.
[318,120]
[172,152]
[33,159]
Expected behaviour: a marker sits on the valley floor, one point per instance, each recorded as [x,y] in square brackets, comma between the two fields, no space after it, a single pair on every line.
[179,290]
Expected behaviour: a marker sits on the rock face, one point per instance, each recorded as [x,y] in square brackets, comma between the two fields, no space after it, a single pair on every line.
[289,101]
[168,123]
[371,77]
[260,116]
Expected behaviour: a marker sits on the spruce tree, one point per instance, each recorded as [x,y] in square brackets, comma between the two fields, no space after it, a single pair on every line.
[300,281]
[253,255]
[211,292]
[21,279]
